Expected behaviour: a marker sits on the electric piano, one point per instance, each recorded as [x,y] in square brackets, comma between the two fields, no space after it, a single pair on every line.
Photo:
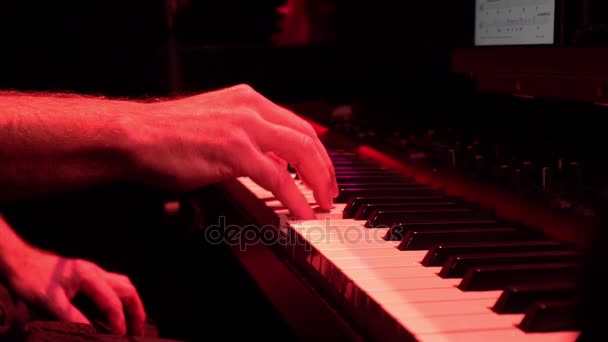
[443,230]
[410,260]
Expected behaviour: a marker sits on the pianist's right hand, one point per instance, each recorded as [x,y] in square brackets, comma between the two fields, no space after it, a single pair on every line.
[233,132]
[55,143]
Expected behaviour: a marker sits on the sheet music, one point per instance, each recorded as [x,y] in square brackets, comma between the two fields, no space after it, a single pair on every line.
[514,22]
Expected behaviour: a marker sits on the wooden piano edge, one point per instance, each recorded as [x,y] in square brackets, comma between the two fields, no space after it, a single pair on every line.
[306,301]
[509,206]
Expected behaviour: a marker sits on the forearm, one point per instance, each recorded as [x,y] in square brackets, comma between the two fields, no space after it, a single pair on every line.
[50,143]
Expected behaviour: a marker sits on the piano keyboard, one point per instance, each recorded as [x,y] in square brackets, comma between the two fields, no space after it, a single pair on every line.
[438,267]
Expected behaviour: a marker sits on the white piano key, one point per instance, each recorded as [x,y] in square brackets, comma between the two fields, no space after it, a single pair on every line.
[388,272]
[380,262]
[424,325]
[370,253]
[405,283]
[430,294]
[374,270]
[442,308]
[328,223]
[500,335]
[327,244]
[444,294]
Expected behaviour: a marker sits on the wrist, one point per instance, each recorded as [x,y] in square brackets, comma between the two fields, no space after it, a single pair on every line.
[136,141]
[13,250]
[123,142]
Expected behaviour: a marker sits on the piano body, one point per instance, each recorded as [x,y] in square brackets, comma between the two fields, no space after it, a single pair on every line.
[471,201]
[431,240]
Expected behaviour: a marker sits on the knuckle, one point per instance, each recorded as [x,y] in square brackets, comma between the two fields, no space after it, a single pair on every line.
[131,290]
[245,89]
[125,280]
[307,143]
[84,267]
[308,129]
[250,97]
[239,142]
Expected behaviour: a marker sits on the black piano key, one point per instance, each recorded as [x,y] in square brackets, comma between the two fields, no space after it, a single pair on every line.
[486,278]
[344,172]
[388,218]
[425,239]
[354,203]
[398,231]
[346,194]
[383,178]
[457,265]
[381,175]
[388,186]
[335,152]
[552,315]
[354,164]
[439,254]
[517,298]
[364,212]
[378,177]
[350,171]
[344,157]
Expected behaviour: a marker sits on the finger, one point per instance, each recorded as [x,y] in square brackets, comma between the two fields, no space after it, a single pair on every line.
[133,305]
[107,301]
[334,181]
[299,150]
[281,162]
[61,307]
[269,175]
[284,117]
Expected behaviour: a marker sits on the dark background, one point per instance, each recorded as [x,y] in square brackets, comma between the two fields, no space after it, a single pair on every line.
[120,48]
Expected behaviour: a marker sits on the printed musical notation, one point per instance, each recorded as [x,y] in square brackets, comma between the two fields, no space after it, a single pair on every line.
[508,22]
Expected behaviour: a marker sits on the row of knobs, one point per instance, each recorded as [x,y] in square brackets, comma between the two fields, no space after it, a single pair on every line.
[558,181]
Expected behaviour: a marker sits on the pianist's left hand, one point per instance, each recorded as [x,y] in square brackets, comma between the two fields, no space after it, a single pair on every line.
[50,282]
